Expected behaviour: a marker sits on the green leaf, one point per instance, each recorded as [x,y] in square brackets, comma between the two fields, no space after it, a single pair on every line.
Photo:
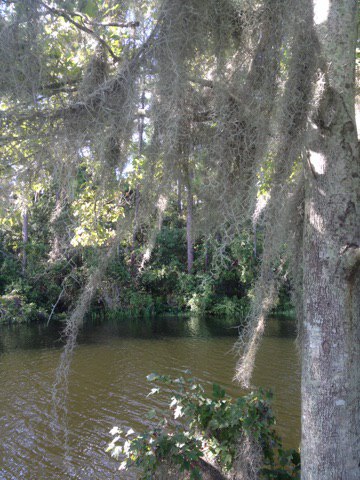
[151,414]
[89,7]
[152,377]
[218,392]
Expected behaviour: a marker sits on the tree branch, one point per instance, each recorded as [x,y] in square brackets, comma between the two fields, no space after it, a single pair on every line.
[350,260]
[202,81]
[84,28]
[55,305]
[116,24]
[92,101]
[87,20]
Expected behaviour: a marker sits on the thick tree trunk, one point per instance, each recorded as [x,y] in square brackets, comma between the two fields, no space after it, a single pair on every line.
[331,328]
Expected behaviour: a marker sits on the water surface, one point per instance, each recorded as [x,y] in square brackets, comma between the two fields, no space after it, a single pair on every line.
[108,387]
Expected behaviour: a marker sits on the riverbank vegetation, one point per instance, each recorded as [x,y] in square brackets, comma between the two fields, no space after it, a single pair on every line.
[220,281]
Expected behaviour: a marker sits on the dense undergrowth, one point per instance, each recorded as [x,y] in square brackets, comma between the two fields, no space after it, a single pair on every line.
[219,283]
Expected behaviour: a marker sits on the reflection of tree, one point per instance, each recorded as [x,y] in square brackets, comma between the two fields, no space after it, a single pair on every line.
[281,327]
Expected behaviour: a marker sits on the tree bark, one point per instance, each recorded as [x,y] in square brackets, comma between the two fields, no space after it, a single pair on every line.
[207,259]
[179,196]
[135,229]
[331,327]
[141,126]
[57,228]
[189,228]
[25,238]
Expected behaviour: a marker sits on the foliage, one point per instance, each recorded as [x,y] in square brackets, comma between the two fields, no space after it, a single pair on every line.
[213,428]
[232,307]
[284,304]
[202,297]
[95,210]
[15,309]
[162,286]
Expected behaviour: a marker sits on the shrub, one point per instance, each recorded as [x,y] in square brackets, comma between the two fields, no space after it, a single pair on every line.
[15,309]
[231,307]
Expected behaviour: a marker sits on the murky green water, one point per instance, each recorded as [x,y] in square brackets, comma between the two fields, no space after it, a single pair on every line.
[108,387]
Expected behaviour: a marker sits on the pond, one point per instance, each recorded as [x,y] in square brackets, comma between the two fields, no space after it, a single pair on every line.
[108,386]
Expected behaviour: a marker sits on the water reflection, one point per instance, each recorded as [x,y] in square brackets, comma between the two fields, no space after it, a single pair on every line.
[108,386]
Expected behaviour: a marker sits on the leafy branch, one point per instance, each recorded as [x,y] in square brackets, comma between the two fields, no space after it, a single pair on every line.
[82,26]
[207,436]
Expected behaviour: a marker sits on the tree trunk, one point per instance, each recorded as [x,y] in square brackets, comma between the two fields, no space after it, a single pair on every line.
[135,229]
[141,126]
[179,199]
[331,329]
[207,258]
[254,241]
[25,238]
[56,227]
[189,233]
